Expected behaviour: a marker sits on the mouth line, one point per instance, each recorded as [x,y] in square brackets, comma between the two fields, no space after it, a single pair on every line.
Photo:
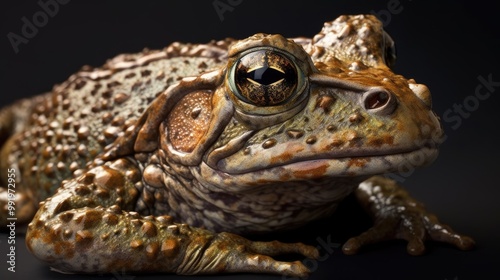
[368,154]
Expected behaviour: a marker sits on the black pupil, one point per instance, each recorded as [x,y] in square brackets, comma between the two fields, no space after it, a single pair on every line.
[265,78]
[266,75]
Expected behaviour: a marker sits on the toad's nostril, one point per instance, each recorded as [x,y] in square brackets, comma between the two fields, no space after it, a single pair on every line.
[378,100]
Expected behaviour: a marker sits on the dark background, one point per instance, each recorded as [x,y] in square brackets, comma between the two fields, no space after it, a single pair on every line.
[445,45]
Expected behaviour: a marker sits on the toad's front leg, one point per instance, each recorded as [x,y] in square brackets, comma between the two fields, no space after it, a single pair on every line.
[89,227]
[398,216]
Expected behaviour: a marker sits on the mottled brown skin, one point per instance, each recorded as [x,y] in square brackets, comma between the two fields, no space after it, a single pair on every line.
[156,161]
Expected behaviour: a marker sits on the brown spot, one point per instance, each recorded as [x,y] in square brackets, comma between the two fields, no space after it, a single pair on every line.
[67,122]
[49,134]
[79,83]
[54,124]
[118,120]
[379,141]
[110,219]
[166,220]
[83,132]
[352,137]
[119,191]
[152,175]
[113,84]
[136,222]
[91,218]
[331,128]
[73,166]
[136,86]
[49,170]
[312,172]
[269,143]
[86,179]
[169,248]
[64,249]
[82,190]
[85,112]
[67,233]
[105,104]
[355,118]
[325,102]
[66,104]
[152,251]
[202,65]
[105,236]
[160,75]
[111,132]
[102,193]
[47,152]
[136,244]
[115,209]
[130,75]
[66,150]
[107,117]
[289,153]
[357,162]
[145,73]
[173,229]
[61,166]
[295,133]
[82,150]
[335,143]
[149,218]
[311,140]
[62,206]
[247,151]
[149,229]
[108,178]
[66,217]
[84,238]
[107,93]
[101,140]
[55,230]
[133,214]
[121,97]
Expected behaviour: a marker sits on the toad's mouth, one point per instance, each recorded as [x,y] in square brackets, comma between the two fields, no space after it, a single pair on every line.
[349,163]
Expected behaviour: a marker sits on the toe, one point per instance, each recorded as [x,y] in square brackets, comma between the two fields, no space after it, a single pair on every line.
[415,247]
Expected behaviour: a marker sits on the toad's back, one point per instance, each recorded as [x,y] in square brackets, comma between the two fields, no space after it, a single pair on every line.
[57,135]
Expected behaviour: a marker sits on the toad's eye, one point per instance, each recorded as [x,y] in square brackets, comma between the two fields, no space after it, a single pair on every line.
[265,78]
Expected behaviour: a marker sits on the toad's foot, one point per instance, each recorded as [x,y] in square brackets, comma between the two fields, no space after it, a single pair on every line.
[231,253]
[399,216]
